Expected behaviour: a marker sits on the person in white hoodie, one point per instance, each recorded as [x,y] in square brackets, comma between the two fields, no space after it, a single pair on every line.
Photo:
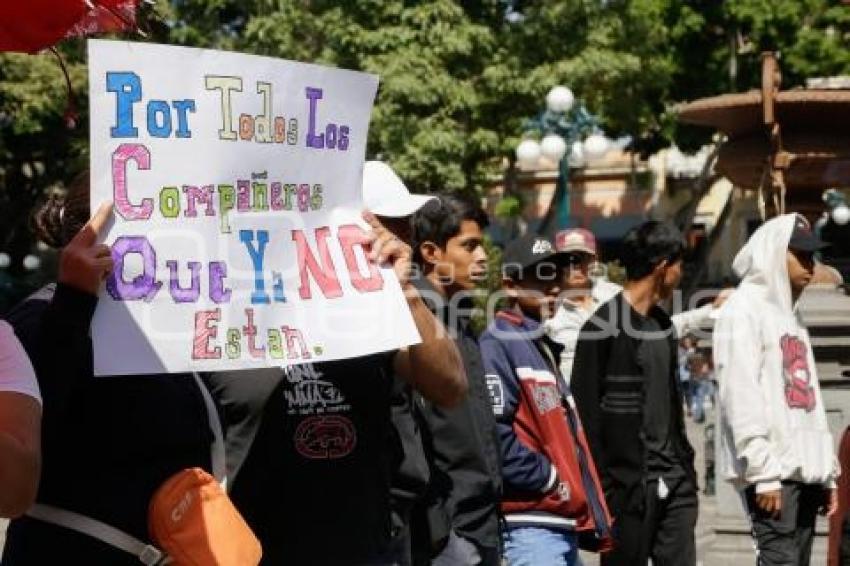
[774,433]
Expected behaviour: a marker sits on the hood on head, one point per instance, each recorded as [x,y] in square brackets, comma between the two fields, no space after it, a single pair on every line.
[762,262]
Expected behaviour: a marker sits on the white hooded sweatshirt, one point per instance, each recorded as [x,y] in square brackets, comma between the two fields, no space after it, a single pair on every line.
[773,423]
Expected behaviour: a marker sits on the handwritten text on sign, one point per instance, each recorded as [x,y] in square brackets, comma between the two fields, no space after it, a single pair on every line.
[237,240]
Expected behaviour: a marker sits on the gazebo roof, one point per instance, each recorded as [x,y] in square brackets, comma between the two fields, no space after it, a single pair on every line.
[738,115]
[815,136]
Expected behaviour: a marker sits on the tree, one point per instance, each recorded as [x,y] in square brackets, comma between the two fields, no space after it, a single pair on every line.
[37,151]
[434,119]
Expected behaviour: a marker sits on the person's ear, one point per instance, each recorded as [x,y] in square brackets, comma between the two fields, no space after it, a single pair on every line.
[661,268]
[431,253]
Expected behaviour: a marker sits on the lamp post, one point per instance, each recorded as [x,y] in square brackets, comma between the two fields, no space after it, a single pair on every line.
[31,262]
[837,204]
[561,126]
[836,210]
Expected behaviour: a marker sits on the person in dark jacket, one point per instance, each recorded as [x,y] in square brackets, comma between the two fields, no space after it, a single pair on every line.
[630,400]
[552,494]
[460,526]
[108,442]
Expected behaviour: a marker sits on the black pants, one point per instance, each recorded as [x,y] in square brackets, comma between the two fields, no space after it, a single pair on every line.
[400,550]
[664,531]
[786,541]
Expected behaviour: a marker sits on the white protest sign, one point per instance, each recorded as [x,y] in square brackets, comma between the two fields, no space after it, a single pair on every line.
[238,232]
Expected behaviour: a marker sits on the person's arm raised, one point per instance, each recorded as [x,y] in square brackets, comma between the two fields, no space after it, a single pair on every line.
[64,346]
[434,366]
[84,263]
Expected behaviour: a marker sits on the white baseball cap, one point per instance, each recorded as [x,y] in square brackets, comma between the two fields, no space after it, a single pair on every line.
[384,193]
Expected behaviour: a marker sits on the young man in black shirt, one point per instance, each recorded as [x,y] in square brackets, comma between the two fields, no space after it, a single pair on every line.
[462,505]
[308,447]
[628,394]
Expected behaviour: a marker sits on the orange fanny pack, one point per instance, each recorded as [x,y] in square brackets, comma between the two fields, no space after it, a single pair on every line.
[193,521]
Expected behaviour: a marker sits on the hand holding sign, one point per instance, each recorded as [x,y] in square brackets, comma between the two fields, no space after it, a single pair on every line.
[385,246]
[85,263]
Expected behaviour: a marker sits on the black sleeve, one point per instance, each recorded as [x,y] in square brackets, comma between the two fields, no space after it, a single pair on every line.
[242,398]
[53,327]
[587,387]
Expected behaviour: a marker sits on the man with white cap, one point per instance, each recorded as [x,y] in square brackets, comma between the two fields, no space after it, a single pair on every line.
[388,198]
[386,195]
[584,292]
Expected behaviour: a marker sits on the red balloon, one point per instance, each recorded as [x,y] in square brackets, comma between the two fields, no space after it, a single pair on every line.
[32,25]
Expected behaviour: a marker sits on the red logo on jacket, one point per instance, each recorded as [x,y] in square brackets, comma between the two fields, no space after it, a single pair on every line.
[799,394]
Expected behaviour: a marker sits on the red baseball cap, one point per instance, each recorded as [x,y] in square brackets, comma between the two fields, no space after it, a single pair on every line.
[575,240]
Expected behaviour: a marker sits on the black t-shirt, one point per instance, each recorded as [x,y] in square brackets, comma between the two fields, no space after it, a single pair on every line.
[311,453]
[655,357]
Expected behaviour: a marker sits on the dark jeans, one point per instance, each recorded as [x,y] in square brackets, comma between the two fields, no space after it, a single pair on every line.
[701,389]
[687,392]
[786,541]
[664,531]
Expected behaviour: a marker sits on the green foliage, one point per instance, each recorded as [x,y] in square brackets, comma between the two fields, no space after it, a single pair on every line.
[37,150]
[492,284]
[615,272]
[431,119]
[509,206]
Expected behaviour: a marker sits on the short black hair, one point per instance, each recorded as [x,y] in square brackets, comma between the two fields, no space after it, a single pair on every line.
[647,245]
[439,220]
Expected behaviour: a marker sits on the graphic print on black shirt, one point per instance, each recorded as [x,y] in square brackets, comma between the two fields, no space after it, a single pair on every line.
[325,432]
[314,468]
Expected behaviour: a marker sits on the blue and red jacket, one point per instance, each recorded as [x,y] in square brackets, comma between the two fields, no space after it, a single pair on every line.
[549,479]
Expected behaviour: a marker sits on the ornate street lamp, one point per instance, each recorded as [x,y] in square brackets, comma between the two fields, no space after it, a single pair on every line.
[31,262]
[836,202]
[562,126]
[841,214]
